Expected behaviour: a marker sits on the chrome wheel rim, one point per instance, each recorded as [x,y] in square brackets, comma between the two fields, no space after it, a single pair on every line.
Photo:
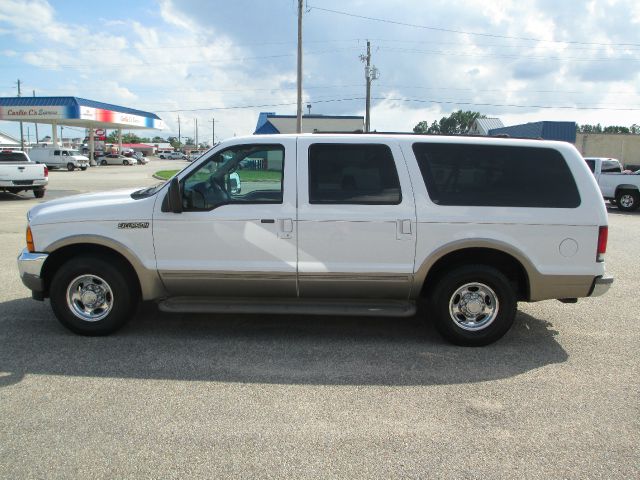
[474,306]
[626,200]
[89,298]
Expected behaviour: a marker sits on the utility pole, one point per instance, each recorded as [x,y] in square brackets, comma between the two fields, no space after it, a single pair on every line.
[196,133]
[213,131]
[21,131]
[299,111]
[36,124]
[179,136]
[370,73]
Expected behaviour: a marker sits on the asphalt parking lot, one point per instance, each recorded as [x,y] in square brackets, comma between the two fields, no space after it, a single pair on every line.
[175,396]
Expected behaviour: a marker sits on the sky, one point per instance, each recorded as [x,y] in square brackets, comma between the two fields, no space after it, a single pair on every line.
[226,61]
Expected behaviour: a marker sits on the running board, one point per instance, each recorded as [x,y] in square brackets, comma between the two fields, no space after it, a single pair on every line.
[372,308]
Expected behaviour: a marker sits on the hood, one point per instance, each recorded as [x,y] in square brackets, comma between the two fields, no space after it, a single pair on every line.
[115,205]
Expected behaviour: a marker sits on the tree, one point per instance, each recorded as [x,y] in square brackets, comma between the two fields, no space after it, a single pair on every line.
[457,123]
[126,138]
[158,139]
[173,141]
[616,129]
[634,129]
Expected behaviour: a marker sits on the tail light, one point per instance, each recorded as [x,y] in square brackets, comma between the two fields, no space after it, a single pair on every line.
[30,245]
[603,236]
[46,172]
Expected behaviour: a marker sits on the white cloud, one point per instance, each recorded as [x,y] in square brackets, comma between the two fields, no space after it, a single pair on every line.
[188,55]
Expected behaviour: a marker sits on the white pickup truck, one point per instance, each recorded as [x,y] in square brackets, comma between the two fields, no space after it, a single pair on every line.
[334,225]
[18,173]
[619,188]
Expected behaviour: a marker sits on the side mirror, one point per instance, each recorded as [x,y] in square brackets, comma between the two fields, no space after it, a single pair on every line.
[175,196]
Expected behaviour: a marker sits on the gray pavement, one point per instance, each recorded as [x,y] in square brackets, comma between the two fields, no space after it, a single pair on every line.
[177,396]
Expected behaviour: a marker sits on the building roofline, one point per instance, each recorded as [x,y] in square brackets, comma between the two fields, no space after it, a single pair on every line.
[71,101]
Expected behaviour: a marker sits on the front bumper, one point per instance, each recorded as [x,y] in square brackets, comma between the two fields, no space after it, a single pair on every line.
[601,285]
[30,267]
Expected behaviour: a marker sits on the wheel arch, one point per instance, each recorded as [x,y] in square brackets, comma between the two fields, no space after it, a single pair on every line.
[147,281]
[508,260]
[627,186]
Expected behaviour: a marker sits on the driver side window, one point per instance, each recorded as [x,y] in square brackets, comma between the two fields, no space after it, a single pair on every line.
[241,174]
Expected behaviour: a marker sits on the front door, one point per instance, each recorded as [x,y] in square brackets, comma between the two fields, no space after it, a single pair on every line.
[236,235]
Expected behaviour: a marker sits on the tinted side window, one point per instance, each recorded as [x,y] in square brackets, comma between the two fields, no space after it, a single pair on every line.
[611,166]
[353,174]
[591,164]
[496,176]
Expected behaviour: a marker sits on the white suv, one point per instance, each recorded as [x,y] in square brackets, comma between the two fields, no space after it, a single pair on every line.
[336,225]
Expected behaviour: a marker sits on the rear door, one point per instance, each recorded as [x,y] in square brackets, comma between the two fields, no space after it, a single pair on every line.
[356,219]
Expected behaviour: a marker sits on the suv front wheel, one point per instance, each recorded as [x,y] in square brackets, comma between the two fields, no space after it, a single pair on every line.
[473,305]
[92,297]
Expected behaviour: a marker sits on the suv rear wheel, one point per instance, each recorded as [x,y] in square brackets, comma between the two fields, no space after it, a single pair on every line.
[91,296]
[473,305]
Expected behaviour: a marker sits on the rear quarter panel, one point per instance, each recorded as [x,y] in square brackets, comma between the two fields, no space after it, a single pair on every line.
[542,238]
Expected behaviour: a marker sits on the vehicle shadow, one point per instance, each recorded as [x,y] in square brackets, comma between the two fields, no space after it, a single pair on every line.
[6,196]
[613,210]
[314,350]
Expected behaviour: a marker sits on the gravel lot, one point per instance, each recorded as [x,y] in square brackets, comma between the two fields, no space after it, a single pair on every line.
[175,396]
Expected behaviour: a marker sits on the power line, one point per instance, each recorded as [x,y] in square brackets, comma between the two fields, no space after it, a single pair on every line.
[449,30]
[497,55]
[408,100]
[498,45]
[195,62]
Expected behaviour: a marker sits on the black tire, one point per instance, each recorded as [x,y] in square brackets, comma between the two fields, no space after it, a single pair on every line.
[38,193]
[103,163]
[627,200]
[71,167]
[120,292]
[83,168]
[125,162]
[443,300]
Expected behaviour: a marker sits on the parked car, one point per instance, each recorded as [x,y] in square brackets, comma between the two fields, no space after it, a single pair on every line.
[116,159]
[18,173]
[54,157]
[621,189]
[346,225]
[140,158]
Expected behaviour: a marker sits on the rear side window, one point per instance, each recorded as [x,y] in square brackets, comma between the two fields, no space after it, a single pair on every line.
[496,176]
[353,174]
[611,166]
